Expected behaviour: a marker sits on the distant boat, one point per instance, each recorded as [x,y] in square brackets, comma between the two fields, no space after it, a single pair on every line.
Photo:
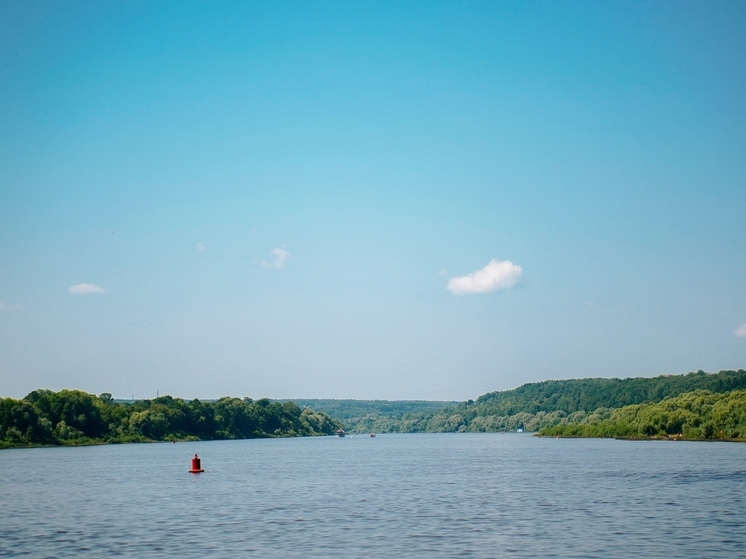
[340,433]
[519,431]
[372,434]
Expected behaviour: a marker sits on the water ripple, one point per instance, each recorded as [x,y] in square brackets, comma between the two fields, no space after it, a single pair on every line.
[422,496]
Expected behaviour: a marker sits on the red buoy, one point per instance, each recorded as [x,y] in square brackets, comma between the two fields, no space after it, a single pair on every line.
[196,466]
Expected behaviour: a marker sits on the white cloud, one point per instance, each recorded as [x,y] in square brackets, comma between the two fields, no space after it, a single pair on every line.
[85,288]
[201,247]
[495,275]
[280,255]
[741,331]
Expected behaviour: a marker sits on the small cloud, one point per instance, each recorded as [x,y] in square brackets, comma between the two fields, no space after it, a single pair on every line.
[280,255]
[741,331]
[201,247]
[495,275]
[442,272]
[5,307]
[85,288]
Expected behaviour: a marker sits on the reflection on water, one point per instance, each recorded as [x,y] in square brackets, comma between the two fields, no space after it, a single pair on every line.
[460,495]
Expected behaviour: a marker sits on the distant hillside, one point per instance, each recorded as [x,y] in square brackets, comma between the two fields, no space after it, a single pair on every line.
[593,393]
[536,405]
[349,409]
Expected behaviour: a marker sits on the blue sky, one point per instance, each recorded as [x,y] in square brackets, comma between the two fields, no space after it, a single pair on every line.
[395,200]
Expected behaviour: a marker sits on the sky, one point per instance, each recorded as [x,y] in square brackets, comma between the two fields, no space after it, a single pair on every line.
[374,200]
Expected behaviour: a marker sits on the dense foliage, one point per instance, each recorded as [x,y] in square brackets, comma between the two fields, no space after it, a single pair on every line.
[694,415]
[538,405]
[75,417]
[593,393]
[385,416]
[695,405]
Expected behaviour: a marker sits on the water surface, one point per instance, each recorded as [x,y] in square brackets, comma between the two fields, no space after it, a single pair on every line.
[423,495]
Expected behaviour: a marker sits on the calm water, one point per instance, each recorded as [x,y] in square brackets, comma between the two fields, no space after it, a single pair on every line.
[463,495]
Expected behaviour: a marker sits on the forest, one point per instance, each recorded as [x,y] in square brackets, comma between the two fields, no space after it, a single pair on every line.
[535,406]
[357,409]
[694,415]
[696,405]
[73,417]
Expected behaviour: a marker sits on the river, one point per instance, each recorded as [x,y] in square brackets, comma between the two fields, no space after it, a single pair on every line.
[392,496]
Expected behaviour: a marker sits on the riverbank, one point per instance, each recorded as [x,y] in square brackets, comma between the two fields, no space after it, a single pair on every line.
[694,416]
[76,418]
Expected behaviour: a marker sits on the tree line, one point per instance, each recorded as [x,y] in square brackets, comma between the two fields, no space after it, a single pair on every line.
[577,407]
[349,409]
[71,417]
[694,415]
[535,406]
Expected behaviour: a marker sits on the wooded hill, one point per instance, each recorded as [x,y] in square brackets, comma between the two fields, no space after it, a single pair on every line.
[358,409]
[543,404]
[593,393]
